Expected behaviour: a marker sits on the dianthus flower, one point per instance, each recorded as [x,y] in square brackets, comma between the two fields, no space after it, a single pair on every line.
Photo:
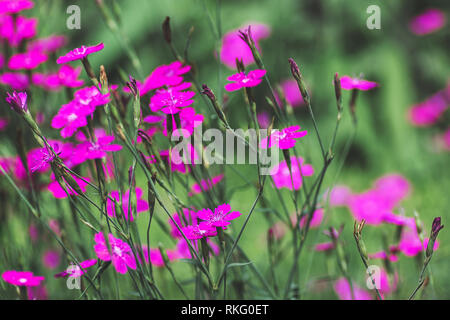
[344,291]
[28,60]
[121,254]
[156,258]
[171,101]
[234,48]
[282,177]
[17,81]
[17,30]
[205,185]
[79,53]
[348,83]
[18,101]
[427,22]
[292,93]
[74,271]
[59,193]
[97,149]
[195,232]
[165,75]
[221,216]
[48,45]
[22,278]
[284,139]
[15,6]
[241,80]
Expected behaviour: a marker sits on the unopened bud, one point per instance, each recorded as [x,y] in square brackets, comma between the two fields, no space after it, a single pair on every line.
[166,30]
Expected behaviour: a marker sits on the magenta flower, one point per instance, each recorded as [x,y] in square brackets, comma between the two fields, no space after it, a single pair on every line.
[282,177]
[428,112]
[241,80]
[189,120]
[370,206]
[28,60]
[91,97]
[22,278]
[340,196]
[68,76]
[17,81]
[391,256]
[183,251]
[292,93]
[177,162]
[15,6]
[17,30]
[324,246]
[195,232]
[189,217]
[348,83]
[122,256]
[343,290]
[393,188]
[221,216]
[284,139]
[234,48]
[410,244]
[70,118]
[51,259]
[205,185]
[79,53]
[170,101]
[59,193]
[48,82]
[97,149]
[48,45]
[316,219]
[156,258]
[427,22]
[74,271]
[141,205]
[165,75]
[18,101]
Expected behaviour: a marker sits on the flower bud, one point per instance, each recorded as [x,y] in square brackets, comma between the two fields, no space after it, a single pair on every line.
[167,33]
[18,101]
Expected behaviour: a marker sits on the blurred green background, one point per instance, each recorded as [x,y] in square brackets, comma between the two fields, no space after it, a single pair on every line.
[324,37]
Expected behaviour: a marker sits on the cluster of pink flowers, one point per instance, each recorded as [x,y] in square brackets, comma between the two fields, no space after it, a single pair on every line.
[73,115]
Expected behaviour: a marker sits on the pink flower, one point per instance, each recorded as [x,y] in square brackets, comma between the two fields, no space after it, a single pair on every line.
[284,139]
[427,22]
[199,231]
[428,112]
[22,278]
[386,285]
[282,177]
[410,244]
[39,159]
[183,251]
[370,206]
[51,259]
[141,205]
[121,254]
[325,246]
[393,188]
[205,185]
[189,216]
[70,118]
[189,120]
[221,216]
[37,293]
[28,60]
[348,83]
[68,76]
[156,258]
[91,97]
[170,101]
[74,271]
[315,221]
[18,101]
[17,30]
[47,45]
[340,196]
[49,82]
[233,47]
[343,290]
[59,193]
[165,75]
[177,161]
[241,80]
[292,93]
[15,6]
[97,149]
[17,81]
[79,53]
[383,255]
